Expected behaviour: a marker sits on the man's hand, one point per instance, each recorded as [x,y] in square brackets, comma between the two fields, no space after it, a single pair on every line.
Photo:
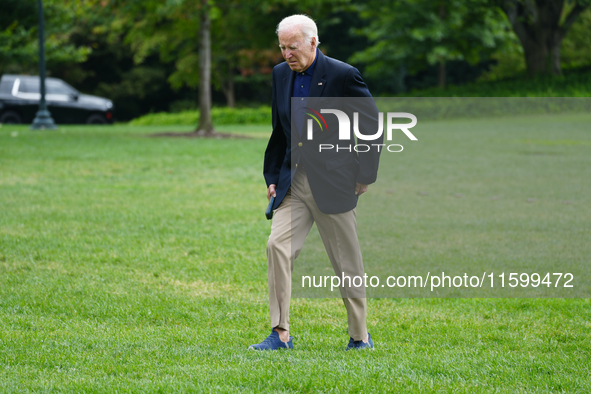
[271,191]
[360,189]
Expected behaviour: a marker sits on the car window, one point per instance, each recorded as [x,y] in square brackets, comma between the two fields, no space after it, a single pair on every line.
[6,85]
[69,87]
[28,85]
[58,87]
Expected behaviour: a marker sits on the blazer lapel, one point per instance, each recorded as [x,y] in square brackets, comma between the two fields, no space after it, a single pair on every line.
[288,86]
[318,79]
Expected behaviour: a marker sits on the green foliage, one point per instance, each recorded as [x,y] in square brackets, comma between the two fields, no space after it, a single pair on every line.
[17,33]
[575,52]
[221,116]
[16,47]
[576,46]
[419,33]
[19,45]
[510,62]
[144,54]
[170,29]
[541,27]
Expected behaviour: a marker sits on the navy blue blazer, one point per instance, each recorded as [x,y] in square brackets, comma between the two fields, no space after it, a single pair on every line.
[332,174]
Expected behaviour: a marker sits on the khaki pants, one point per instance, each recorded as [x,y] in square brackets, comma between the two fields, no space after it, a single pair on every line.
[292,222]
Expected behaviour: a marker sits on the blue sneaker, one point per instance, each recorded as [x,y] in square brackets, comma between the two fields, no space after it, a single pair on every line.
[358,345]
[351,344]
[272,342]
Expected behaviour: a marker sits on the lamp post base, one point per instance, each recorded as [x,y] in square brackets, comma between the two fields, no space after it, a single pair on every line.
[43,121]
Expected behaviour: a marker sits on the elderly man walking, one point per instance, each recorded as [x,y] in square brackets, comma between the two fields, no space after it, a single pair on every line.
[295,175]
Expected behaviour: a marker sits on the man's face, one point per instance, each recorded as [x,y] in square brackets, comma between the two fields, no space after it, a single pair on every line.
[298,53]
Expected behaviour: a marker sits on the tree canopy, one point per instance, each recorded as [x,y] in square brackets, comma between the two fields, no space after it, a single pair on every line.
[18,35]
[420,33]
[150,55]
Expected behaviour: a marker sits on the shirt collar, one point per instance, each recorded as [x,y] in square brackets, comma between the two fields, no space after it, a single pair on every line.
[310,70]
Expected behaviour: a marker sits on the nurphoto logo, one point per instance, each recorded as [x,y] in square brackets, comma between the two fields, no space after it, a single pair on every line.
[345,129]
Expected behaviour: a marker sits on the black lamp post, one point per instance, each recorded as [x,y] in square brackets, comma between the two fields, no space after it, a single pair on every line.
[43,119]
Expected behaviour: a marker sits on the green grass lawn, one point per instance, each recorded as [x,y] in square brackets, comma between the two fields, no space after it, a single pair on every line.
[137,264]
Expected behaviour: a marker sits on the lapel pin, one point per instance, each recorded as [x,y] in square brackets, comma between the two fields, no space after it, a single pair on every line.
[319,83]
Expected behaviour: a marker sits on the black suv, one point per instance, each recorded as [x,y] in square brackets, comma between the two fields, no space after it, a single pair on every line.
[19,102]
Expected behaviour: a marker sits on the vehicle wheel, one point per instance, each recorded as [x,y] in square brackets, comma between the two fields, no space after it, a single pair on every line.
[96,119]
[10,117]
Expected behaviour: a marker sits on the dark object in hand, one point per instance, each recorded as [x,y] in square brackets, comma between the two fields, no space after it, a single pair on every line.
[269,211]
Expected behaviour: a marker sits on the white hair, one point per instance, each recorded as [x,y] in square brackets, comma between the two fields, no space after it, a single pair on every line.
[302,22]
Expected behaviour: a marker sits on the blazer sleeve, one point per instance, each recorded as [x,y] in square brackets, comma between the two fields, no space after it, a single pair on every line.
[277,146]
[354,85]
[368,112]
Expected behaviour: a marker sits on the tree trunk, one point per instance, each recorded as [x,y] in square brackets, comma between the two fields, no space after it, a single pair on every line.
[536,54]
[441,77]
[205,124]
[441,74]
[541,48]
[540,29]
[555,46]
[228,88]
